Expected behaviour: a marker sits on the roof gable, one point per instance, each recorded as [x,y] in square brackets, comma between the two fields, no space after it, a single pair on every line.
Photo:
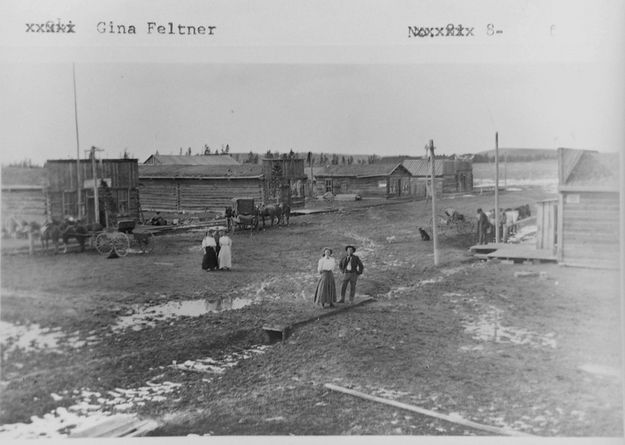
[590,169]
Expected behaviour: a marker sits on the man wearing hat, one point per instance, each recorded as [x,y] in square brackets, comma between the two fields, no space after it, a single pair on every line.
[350,266]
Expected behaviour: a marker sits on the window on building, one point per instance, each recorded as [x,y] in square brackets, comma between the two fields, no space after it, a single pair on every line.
[328,185]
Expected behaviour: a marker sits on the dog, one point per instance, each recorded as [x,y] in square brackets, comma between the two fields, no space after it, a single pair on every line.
[424,235]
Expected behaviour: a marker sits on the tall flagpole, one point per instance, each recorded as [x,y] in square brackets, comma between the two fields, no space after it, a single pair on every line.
[78,184]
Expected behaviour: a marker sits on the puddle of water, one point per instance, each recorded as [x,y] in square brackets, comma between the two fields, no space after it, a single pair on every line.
[601,370]
[32,337]
[147,316]
[489,328]
[90,408]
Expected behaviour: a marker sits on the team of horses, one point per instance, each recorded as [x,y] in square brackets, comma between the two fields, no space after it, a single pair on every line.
[280,212]
[65,231]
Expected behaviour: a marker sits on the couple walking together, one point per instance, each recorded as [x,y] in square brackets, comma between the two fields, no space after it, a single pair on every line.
[350,266]
[217,247]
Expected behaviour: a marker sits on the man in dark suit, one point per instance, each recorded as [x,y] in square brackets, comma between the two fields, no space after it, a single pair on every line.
[350,266]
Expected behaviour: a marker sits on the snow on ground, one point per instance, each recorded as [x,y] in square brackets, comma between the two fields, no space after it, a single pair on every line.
[32,337]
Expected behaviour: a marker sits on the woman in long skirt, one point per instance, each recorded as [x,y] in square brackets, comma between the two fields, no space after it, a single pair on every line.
[225,253]
[209,261]
[326,287]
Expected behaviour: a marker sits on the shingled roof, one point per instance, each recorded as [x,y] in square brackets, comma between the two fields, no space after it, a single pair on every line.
[158,159]
[421,167]
[358,170]
[200,171]
[589,170]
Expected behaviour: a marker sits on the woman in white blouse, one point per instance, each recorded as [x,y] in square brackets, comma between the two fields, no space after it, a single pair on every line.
[326,288]
[225,252]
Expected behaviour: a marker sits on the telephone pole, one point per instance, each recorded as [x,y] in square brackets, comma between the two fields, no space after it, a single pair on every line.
[497,187]
[78,184]
[430,147]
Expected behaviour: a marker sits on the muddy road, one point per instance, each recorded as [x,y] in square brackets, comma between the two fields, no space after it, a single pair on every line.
[85,337]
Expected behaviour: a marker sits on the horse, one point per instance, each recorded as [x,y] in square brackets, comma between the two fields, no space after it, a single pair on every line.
[270,210]
[50,232]
[77,230]
[285,213]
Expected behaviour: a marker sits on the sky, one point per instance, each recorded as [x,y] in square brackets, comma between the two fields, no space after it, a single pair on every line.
[331,108]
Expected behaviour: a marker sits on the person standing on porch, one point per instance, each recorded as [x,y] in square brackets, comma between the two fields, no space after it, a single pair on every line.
[482,227]
[351,267]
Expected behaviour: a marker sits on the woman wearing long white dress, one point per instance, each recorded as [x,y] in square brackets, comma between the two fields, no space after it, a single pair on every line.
[209,261]
[326,287]
[225,253]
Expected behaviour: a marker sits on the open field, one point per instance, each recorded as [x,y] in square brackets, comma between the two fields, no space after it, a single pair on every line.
[84,337]
[518,174]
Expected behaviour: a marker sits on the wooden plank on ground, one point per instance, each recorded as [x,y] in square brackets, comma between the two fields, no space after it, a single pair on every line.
[284,329]
[453,419]
[120,425]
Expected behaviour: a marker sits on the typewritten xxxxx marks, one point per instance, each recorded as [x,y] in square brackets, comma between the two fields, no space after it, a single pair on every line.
[450,30]
[52,26]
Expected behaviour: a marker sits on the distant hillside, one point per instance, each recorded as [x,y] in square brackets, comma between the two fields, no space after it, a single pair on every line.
[516,154]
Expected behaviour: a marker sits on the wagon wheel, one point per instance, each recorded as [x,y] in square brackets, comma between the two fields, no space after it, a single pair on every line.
[145,241]
[121,244]
[103,243]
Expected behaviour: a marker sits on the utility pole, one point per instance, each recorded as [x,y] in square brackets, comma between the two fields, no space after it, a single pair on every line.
[497,187]
[78,179]
[430,147]
[94,173]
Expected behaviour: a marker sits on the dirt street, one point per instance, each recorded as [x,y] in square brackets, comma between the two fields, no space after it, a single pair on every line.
[154,335]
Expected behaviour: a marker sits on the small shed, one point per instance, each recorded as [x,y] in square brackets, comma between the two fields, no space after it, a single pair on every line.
[116,179]
[213,159]
[22,194]
[589,208]
[197,188]
[451,175]
[389,180]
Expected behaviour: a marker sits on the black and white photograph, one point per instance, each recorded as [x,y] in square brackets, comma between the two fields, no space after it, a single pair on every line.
[308,234]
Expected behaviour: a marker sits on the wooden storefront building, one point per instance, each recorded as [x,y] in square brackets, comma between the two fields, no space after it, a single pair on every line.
[121,177]
[589,208]
[198,188]
[389,180]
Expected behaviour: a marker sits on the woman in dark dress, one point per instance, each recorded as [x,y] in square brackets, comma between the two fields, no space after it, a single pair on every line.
[209,261]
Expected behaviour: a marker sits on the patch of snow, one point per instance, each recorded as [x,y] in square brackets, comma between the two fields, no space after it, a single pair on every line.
[31,337]
[212,366]
[488,327]
[89,409]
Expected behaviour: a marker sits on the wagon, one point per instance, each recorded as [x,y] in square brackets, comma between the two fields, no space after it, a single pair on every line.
[122,238]
[244,213]
[450,221]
